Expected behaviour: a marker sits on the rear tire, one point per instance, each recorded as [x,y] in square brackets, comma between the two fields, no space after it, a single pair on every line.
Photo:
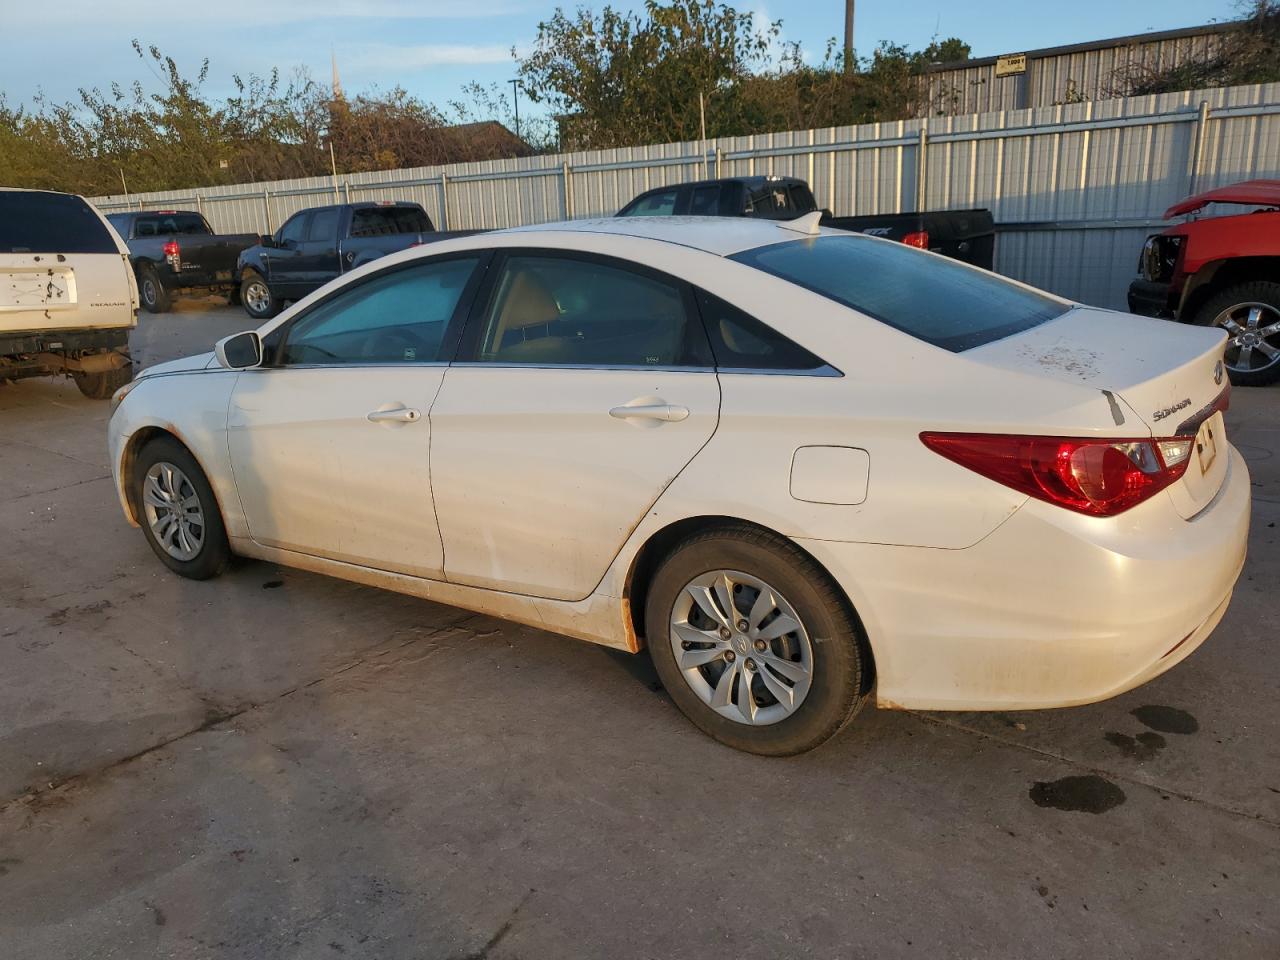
[155,298]
[1250,313]
[100,386]
[256,297]
[817,671]
[178,511]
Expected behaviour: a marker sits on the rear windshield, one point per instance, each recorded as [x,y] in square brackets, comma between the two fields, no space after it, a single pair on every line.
[388,221]
[166,224]
[933,299]
[36,222]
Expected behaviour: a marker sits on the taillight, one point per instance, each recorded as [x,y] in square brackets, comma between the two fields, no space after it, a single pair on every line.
[173,254]
[1100,478]
[919,238]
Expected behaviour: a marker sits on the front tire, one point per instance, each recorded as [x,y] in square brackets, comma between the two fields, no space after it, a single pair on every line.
[256,297]
[1250,313]
[754,642]
[178,511]
[155,298]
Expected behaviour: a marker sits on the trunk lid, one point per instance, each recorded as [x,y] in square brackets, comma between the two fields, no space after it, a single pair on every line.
[1160,379]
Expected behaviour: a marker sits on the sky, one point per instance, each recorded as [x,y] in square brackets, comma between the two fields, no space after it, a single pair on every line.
[433,47]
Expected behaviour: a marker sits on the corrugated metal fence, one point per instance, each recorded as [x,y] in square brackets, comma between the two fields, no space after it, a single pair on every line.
[1074,188]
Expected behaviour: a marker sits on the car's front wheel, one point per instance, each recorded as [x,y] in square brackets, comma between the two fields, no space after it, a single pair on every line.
[1250,313]
[754,642]
[178,510]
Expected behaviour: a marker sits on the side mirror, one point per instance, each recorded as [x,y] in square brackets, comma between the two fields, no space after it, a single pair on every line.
[239,351]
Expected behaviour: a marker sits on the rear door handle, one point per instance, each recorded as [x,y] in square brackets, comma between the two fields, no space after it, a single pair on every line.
[395,415]
[668,412]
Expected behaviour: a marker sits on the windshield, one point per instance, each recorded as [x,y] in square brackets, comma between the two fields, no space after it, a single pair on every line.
[942,302]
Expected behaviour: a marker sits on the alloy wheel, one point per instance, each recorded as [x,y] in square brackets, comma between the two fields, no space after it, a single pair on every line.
[741,647]
[258,297]
[1254,336]
[173,511]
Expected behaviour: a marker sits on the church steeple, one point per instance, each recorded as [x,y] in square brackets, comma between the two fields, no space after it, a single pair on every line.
[337,83]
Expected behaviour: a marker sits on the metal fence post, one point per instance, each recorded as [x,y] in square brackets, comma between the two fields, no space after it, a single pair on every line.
[719,162]
[567,173]
[444,200]
[266,209]
[1197,146]
[346,190]
[922,171]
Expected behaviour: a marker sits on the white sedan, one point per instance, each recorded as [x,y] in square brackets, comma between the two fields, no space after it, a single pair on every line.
[805,468]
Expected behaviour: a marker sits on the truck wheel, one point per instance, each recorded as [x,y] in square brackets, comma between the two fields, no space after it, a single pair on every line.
[259,302]
[155,298]
[100,386]
[1250,313]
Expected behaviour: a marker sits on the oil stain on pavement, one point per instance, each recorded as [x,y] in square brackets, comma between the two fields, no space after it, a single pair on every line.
[1166,719]
[1087,794]
[1142,747]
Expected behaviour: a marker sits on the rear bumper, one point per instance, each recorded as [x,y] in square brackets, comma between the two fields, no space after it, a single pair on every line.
[1052,609]
[63,341]
[1150,298]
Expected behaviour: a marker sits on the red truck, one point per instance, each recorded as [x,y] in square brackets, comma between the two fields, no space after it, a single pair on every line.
[1221,271]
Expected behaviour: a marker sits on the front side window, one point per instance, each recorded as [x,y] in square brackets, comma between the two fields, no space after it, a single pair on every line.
[396,317]
[661,204]
[933,299]
[553,311]
[294,228]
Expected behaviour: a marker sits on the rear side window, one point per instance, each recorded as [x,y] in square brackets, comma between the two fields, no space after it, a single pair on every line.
[931,298]
[661,204]
[706,202]
[36,222]
[740,341]
[556,311]
[388,221]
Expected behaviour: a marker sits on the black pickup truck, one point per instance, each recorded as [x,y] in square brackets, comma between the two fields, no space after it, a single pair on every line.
[175,251]
[316,245]
[967,235]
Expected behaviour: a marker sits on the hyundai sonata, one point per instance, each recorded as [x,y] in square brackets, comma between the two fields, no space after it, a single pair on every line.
[805,468]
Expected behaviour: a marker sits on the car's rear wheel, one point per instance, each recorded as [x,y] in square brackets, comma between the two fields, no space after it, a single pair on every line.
[754,642]
[1250,313]
[101,385]
[155,298]
[256,296]
[178,510]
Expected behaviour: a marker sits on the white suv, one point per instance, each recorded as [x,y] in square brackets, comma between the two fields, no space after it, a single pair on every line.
[68,298]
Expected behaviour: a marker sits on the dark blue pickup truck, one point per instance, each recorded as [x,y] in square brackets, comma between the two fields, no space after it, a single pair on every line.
[314,246]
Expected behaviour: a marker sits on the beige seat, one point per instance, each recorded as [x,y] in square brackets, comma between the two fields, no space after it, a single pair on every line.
[527,303]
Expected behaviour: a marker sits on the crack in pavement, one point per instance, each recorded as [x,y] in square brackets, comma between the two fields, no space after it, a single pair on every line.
[1251,815]
[216,714]
[66,486]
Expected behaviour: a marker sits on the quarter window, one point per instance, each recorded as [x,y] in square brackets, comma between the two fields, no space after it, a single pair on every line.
[740,341]
[396,317]
[556,311]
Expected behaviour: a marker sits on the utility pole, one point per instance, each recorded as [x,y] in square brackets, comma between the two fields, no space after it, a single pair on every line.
[848,36]
[515,98]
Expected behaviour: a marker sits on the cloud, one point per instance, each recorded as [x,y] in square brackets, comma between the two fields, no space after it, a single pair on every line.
[384,56]
[281,11]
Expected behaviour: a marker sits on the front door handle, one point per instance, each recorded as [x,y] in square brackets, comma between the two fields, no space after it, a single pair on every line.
[664,412]
[395,415]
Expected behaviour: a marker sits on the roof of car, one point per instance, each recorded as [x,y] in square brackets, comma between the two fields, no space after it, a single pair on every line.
[756,180]
[722,236]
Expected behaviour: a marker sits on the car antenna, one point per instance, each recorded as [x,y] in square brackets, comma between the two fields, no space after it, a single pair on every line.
[806,223]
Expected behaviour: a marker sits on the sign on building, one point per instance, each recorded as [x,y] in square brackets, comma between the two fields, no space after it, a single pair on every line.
[1011,64]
